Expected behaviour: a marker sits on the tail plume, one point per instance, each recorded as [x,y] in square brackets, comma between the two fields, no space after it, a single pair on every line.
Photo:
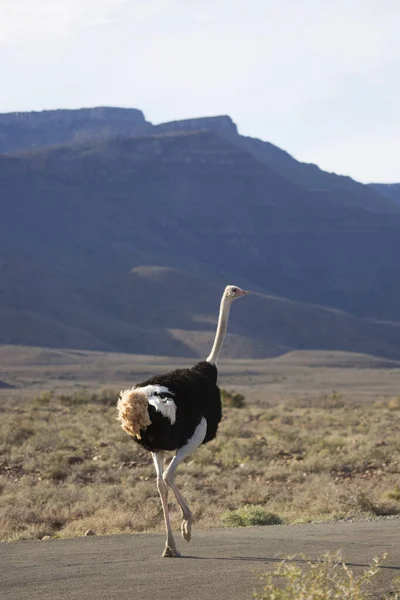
[133,413]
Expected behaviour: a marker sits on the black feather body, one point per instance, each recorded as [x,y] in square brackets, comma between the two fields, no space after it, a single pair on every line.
[196,395]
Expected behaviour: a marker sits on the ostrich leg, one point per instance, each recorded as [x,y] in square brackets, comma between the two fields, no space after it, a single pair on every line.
[170,547]
[169,476]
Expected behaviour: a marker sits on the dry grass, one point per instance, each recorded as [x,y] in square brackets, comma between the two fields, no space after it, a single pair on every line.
[66,466]
[327,577]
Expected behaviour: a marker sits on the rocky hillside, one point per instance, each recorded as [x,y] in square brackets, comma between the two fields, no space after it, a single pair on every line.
[124,242]
[390,190]
[19,131]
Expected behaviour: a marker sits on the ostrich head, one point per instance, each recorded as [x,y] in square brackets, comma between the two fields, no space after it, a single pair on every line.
[233,291]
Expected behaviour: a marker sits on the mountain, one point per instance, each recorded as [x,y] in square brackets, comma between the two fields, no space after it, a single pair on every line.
[389,190]
[307,176]
[20,131]
[121,242]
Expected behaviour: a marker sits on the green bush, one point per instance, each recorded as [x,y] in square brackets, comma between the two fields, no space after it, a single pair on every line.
[394,494]
[43,399]
[250,515]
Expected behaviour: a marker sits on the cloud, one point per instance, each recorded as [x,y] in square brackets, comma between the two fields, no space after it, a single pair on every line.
[24,21]
[300,74]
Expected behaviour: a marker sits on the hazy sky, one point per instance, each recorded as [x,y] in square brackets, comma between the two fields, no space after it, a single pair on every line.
[319,79]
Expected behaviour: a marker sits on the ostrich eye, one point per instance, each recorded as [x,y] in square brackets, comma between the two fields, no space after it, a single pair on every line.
[234,290]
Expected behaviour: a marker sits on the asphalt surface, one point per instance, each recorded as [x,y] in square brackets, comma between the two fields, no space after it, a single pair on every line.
[222,564]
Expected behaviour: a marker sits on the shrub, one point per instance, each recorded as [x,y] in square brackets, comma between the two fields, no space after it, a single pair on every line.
[328,577]
[56,474]
[43,399]
[105,397]
[394,403]
[232,399]
[19,435]
[394,494]
[250,515]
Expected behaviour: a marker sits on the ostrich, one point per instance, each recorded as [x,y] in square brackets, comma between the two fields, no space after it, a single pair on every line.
[177,411]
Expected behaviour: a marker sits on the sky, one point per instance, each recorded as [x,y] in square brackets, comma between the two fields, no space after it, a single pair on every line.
[318,79]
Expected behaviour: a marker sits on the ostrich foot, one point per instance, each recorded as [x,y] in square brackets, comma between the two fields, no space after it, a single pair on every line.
[170,551]
[186,528]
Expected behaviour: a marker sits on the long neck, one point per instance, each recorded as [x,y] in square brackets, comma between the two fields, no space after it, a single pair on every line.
[221,330]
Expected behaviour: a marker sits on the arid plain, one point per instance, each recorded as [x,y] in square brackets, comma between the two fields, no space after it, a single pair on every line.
[317,440]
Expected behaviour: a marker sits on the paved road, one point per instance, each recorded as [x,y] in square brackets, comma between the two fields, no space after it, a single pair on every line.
[219,564]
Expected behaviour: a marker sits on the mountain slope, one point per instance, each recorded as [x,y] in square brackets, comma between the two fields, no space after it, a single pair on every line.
[20,131]
[209,204]
[126,244]
[157,310]
[389,190]
[307,176]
